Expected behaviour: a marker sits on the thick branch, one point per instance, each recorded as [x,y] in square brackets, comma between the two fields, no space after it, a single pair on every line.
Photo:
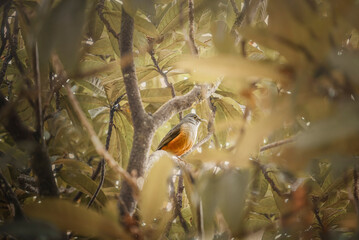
[128,69]
[142,122]
[181,103]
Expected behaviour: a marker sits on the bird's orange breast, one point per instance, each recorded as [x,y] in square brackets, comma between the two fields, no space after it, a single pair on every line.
[180,144]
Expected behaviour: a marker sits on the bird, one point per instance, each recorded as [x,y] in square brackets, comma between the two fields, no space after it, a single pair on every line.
[181,137]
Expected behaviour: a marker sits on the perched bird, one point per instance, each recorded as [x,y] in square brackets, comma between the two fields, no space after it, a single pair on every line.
[182,137]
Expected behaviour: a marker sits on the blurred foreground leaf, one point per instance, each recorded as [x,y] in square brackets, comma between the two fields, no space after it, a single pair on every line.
[68,216]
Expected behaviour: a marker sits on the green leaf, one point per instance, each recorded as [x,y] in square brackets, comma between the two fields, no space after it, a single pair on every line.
[102,47]
[145,26]
[74,165]
[95,27]
[147,6]
[69,216]
[13,155]
[83,183]
[171,18]
[231,202]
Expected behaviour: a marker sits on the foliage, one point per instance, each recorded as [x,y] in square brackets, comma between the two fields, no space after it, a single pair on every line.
[288,71]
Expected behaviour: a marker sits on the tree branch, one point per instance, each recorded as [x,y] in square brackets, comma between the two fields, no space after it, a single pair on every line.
[100,6]
[128,69]
[177,202]
[160,71]
[181,103]
[239,15]
[3,26]
[276,144]
[355,188]
[4,66]
[193,46]
[100,149]
[11,197]
[143,123]
[13,47]
[267,177]
[101,165]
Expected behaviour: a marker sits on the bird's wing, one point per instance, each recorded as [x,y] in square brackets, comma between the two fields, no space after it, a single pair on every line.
[174,132]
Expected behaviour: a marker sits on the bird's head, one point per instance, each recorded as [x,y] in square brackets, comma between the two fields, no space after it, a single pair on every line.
[193,118]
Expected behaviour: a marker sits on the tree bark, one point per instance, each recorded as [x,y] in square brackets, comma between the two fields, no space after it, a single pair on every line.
[145,124]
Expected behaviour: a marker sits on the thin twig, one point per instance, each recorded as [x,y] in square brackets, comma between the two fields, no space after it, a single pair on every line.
[39,112]
[316,213]
[267,177]
[3,26]
[11,197]
[235,8]
[355,188]
[13,42]
[13,47]
[239,15]
[27,183]
[101,165]
[161,72]
[193,46]
[276,144]
[100,6]
[177,207]
[9,89]
[4,66]
[100,149]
